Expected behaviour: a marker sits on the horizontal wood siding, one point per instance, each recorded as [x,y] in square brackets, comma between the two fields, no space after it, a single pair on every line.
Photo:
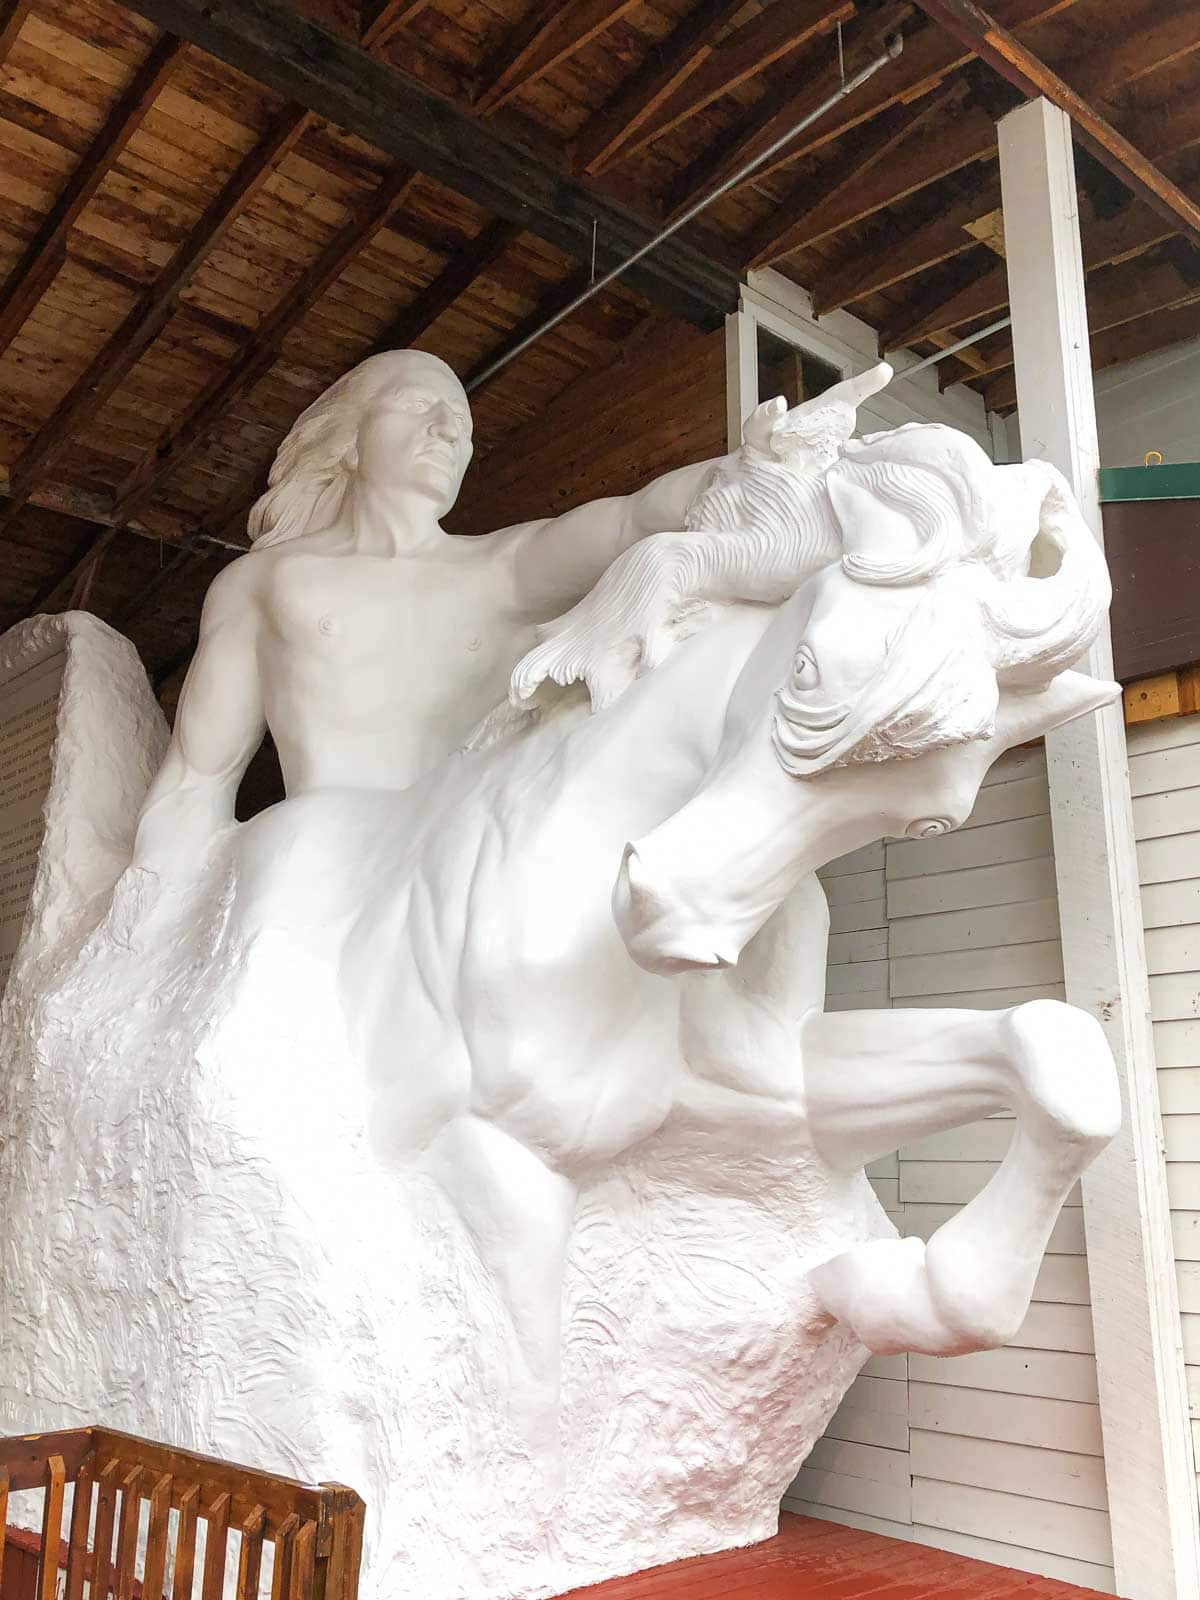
[660,406]
[1164,776]
[997,1455]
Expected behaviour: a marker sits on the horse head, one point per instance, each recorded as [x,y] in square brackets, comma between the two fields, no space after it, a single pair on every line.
[883,691]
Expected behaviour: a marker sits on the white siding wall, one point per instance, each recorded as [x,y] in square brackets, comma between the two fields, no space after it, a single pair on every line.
[995,1455]
[1164,772]
[1150,404]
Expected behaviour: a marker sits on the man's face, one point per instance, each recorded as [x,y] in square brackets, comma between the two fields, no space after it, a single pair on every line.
[416,435]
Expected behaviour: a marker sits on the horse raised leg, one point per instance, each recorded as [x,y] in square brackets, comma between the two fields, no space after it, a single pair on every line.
[876,1080]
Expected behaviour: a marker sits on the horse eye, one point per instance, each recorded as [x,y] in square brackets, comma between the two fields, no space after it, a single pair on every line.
[928,827]
[804,669]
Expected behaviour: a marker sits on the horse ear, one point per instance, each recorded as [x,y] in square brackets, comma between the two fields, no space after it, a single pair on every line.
[1025,714]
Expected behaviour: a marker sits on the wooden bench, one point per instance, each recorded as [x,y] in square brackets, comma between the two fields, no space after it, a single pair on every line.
[154,1498]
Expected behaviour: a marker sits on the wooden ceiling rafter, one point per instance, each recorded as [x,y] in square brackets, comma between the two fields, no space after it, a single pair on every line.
[262,348]
[47,250]
[778,31]
[929,57]
[883,265]
[689,275]
[150,313]
[1118,300]
[1105,243]
[12,18]
[550,32]
[966,138]
[1125,342]
[381,19]
[1014,61]
[57,592]
[665,68]
[797,220]
[466,266]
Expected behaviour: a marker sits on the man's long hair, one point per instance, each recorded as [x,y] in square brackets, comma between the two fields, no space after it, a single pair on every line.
[315,464]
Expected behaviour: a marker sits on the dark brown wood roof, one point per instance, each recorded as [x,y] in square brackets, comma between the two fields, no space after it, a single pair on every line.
[195,241]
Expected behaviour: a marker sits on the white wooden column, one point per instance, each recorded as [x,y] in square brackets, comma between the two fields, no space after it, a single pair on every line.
[741,373]
[1139,1357]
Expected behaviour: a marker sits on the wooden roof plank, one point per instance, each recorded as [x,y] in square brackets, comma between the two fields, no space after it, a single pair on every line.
[150,313]
[797,219]
[776,32]
[928,58]
[964,139]
[1122,298]
[382,18]
[44,254]
[1000,48]
[12,18]
[181,439]
[689,274]
[464,269]
[550,32]
[664,69]
[1129,233]
[936,241]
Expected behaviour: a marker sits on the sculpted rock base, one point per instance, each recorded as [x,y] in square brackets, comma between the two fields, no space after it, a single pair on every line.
[200,1245]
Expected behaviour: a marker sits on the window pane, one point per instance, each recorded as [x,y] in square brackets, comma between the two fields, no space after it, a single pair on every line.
[784,369]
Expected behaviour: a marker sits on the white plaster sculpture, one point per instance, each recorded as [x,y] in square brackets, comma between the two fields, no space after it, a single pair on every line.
[382,1158]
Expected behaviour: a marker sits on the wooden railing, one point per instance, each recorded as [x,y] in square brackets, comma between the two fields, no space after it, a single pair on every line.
[312,1531]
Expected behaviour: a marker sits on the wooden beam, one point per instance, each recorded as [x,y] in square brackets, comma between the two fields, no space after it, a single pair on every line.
[150,314]
[1114,239]
[552,31]
[962,140]
[892,261]
[803,214]
[12,18]
[1125,342]
[262,350]
[46,251]
[550,304]
[383,18]
[689,275]
[465,267]
[665,68]
[778,31]
[56,595]
[1148,1458]
[1001,49]
[928,58]
[1121,298]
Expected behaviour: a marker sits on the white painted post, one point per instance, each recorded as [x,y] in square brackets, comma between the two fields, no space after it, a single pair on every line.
[741,373]
[1139,1357]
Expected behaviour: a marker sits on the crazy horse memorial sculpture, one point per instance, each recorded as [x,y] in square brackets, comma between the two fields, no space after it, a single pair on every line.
[468,1126]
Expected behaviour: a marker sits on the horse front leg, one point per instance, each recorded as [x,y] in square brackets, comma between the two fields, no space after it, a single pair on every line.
[519,1215]
[876,1080]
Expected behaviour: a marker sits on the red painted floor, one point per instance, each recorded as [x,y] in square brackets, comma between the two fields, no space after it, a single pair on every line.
[828,1562]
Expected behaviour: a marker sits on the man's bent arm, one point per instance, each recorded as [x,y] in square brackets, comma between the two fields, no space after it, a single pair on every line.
[219,724]
[559,560]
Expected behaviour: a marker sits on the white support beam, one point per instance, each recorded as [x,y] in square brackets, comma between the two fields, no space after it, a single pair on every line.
[1139,1359]
[741,374]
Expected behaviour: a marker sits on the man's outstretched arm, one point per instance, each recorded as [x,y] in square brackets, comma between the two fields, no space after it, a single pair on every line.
[219,724]
[558,560]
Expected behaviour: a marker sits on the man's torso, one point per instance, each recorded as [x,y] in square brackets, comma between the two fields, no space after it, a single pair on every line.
[374,668]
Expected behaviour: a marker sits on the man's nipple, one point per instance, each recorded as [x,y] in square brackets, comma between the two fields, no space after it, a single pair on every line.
[327,624]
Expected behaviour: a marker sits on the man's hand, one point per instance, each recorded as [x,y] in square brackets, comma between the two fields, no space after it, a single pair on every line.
[633,617]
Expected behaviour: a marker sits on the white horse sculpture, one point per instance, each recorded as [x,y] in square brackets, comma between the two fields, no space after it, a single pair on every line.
[513,1049]
[840,653]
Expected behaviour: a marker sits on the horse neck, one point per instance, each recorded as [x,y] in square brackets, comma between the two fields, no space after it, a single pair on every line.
[647,752]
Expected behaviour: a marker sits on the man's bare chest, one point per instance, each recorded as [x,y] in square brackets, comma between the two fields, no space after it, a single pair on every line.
[376,618]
